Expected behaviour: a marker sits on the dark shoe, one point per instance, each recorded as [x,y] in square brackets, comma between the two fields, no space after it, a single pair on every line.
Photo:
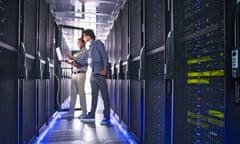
[106,121]
[88,118]
[83,116]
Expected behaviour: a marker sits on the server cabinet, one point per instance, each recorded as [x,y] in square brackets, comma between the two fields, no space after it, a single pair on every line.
[136,42]
[203,87]
[8,67]
[157,16]
[9,23]
[29,103]
[113,61]
[125,100]
[62,81]
[135,102]
[155,23]
[30,25]
[118,40]
[28,35]
[34,35]
[124,53]
[41,47]
[135,27]
[50,53]
[155,99]
[19,26]
[9,97]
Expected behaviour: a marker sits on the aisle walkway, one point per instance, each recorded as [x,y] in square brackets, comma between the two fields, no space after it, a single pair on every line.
[69,129]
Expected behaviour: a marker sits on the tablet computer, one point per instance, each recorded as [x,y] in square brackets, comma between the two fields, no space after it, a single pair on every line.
[59,54]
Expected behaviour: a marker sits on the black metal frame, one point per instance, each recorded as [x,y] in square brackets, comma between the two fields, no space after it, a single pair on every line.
[231,120]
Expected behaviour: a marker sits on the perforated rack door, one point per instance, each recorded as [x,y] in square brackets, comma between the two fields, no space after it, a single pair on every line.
[135,27]
[30,26]
[199,95]
[43,21]
[155,98]
[9,23]
[154,23]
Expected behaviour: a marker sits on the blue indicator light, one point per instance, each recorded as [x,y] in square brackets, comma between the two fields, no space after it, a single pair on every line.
[199,92]
[198,20]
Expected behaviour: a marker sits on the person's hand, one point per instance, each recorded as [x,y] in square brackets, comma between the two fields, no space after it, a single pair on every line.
[76,64]
[69,55]
[104,71]
[64,61]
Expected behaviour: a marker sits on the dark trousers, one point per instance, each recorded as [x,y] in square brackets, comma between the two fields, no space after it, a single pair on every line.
[98,82]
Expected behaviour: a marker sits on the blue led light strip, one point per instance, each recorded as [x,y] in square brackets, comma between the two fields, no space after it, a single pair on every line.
[122,129]
[55,116]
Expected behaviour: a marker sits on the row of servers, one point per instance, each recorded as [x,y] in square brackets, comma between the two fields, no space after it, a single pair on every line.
[136,46]
[171,78]
[30,86]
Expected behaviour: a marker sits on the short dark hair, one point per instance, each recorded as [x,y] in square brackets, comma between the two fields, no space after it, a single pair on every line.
[82,40]
[90,33]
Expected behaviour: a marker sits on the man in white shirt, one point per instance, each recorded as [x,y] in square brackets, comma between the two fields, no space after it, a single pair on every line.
[79,64]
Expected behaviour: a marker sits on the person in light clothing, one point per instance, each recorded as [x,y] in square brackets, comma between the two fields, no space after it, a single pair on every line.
[79,63]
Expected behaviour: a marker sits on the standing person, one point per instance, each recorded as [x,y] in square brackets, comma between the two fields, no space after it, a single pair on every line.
[78,77]
[99,62]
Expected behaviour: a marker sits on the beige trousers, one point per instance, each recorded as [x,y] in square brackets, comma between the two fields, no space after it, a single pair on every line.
[77,87]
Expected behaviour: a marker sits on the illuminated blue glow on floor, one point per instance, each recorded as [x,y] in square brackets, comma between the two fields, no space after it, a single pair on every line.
[123,130]
[59,123]
[64,128]
[55,116]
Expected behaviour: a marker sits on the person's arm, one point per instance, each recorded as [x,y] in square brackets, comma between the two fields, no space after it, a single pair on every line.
[83,59]
[104,57]
[72,57]
[103,53]
[73,63]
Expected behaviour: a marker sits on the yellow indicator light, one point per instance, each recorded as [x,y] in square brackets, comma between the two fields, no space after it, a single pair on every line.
[215,113]
[203,118]
[197,123]
[202,59]
[206,73]
[197,60]
[198,81]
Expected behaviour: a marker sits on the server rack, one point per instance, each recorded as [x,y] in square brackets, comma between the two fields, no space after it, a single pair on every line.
[113,68]
[203,87]
[50,54]
[118,83]
[65,75]
[156,26]
[28,35]
[9,94]
[9,24]
[118,40]
[42,44]
[135,85]
[124,52]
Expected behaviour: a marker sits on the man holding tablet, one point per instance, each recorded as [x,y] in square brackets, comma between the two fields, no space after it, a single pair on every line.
[79,63]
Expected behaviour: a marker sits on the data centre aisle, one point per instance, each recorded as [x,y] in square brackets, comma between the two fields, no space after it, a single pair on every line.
[69,129]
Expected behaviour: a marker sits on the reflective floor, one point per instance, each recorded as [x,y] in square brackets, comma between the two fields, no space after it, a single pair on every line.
[69,129]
